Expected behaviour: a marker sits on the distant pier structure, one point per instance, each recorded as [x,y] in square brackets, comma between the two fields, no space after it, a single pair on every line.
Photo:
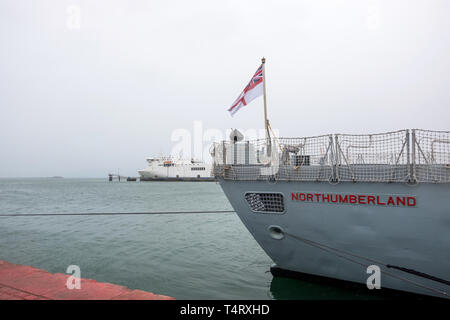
[112,177]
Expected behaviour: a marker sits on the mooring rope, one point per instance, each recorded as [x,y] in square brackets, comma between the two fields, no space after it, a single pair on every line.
[110,213]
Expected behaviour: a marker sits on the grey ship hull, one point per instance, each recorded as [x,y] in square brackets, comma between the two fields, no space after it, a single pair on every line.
[413,237]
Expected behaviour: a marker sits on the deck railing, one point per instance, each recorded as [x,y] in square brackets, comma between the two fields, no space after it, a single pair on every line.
[400,156]
[431,156]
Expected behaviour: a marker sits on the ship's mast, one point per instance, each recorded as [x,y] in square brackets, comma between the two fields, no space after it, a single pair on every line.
[266,121]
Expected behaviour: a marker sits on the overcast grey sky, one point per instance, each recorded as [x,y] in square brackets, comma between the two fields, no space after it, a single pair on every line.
[80,102]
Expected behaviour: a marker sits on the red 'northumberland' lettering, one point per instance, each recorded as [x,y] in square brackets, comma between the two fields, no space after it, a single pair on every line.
[298,196]
[401,200]
[355,199]
[391,201]
[361,199]
[411,201]
[343,199]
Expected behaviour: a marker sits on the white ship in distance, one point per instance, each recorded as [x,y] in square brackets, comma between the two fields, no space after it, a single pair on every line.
[171,169]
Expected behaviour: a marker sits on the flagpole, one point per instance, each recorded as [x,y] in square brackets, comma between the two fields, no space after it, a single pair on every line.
[266,121]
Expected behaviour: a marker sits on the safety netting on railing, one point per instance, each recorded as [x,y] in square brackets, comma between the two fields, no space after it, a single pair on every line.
[240,160]
[431,155]
[400,156]
[305,159]
[373,157]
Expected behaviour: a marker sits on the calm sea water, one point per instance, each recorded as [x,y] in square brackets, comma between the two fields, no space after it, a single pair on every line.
[189,256]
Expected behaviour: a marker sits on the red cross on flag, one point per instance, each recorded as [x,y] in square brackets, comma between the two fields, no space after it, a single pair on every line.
[253,90]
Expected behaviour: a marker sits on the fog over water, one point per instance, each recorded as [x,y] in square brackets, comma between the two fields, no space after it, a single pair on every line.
[88,87]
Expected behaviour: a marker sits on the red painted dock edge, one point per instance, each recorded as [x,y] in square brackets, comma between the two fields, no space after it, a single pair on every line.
[18,282]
